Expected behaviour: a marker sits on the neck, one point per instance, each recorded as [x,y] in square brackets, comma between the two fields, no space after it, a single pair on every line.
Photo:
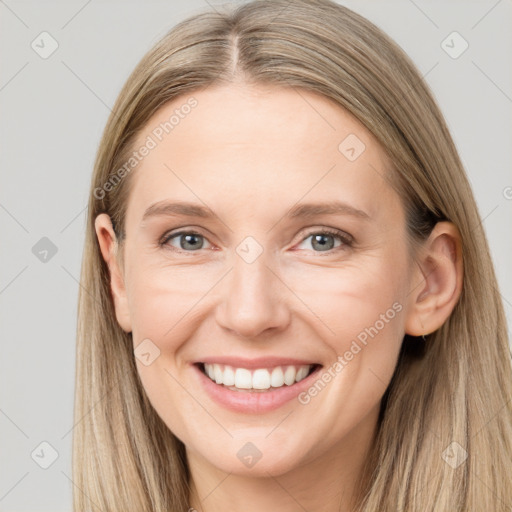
[324,482]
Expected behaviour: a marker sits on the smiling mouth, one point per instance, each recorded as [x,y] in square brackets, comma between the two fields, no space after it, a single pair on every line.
[257,380]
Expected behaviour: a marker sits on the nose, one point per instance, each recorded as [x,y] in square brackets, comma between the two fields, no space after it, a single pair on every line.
[253,300]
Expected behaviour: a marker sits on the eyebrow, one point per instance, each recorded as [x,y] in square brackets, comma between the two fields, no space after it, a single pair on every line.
[166,208]
[305,210]
[330,208]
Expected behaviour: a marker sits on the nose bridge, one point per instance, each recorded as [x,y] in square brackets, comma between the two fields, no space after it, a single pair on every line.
[252,298]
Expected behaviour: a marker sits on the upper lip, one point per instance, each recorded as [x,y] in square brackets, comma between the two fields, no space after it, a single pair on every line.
[256,362]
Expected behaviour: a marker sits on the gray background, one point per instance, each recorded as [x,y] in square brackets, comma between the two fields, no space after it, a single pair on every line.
[53,111]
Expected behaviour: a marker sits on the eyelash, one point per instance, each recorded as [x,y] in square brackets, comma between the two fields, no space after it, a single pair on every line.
[346,240]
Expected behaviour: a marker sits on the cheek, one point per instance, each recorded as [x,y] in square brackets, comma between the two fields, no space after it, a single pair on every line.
[354,301]
[163,304]
[164,299]
[360,310]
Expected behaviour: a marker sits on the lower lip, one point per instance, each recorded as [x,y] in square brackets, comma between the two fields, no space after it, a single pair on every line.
[255,402]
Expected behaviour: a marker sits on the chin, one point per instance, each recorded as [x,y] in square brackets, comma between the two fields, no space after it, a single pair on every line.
[254,458]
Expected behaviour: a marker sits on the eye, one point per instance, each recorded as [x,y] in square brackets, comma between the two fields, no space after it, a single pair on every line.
[325,240]
[187,241]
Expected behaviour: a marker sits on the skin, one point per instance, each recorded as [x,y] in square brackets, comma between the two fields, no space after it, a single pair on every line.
[251,153]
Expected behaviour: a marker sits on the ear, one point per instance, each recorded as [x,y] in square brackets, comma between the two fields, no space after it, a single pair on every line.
[109,250]
[439,274]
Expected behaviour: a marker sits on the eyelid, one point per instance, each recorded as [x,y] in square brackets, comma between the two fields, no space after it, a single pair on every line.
[170,234]
[346,239]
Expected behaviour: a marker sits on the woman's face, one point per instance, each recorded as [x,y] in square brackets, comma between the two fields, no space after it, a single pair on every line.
[262,235]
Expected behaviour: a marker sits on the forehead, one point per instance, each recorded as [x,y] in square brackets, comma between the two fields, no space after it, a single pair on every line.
[257,149]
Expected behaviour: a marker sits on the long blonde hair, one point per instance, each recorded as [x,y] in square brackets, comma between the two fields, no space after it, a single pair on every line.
[455,388]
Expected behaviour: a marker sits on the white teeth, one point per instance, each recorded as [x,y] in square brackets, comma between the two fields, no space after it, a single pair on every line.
[229,376]
[261,378]
[277,377]
[243,379]
[289,375]
[301,374]
[217,373]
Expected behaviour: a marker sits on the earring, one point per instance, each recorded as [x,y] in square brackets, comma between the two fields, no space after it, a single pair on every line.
[423,336]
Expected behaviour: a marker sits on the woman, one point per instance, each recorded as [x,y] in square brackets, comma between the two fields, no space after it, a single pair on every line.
[288,300]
